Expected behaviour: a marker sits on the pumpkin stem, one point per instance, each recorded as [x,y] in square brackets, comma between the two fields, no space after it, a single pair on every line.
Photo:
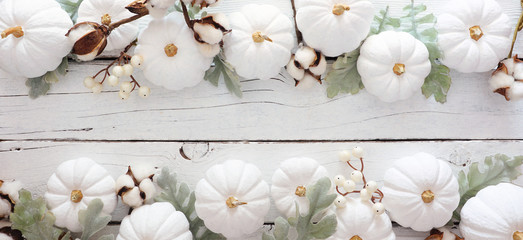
[356,237]
[16,31]
[1,183]
[76,196]
[399,69]
[259,37]
[233,202]
[517,235]
[106,19]
[476,33]
[170,50]
[427,196]
[300,191]
[340,9]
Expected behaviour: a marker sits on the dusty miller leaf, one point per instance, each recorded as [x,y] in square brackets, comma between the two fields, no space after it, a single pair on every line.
[107,237]
[92,219]
[183,199]
[71,7]
[496,169]
[224,70]
[383,22]
[62,68]
[33,219]
[37,86]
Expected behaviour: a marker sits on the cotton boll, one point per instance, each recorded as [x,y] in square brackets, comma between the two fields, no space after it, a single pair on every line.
[143,171]
[518,70]
[307,82]
[305,56]
[158,8]
[208,33]
[320,68]
[209,50]
[11,189]
[148,187]
[295,72]
[509,64]
[500,80]
[516,91]
[124,181]
[132,198]
[5,208]
[221,19]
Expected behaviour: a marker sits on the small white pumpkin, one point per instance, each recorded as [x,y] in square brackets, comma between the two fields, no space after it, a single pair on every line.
[107,12]
[393,65]
[260,42]
[159,221]
[291,181]
[232,199]
[421,192]
[495,213]
[357,220]
[171,56]
[473,35]
[33,36]
[74,184]
[334,27]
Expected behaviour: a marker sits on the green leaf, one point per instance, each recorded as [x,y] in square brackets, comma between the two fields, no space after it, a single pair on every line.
[107,237]
[92,219]
[325,227]
[224,70]
[383,22]
[37,86]
[183,199]
[33,219]
[494,170]
[62,68]
[281,228]
[344,76]
[51,77]
[71,7]
[267,236]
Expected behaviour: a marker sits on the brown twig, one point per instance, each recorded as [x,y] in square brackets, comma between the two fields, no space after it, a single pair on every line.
[518,28]
[188,21]
[374,198]
[299,36]
[123,57]
[124,21]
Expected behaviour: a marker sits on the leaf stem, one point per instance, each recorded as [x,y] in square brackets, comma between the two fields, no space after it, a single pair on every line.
[188,21]
[299,36]
[384,18]
[520,23]
[414,27]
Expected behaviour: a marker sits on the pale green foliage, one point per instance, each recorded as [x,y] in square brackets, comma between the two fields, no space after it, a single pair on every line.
[40,85]
[422,27]
[183,199]
[223,70]
[319,199]
[92,220]
[71,7]
[492,171]
[193,11]
[33,219]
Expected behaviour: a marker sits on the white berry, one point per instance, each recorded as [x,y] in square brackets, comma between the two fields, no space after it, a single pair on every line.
[128,70]
[371,186]
[365,195]
[123,95]
[97,87]
[340,202]
[339,180]
[357,152]
[118,71]
[349,186]
[356,176]
[144,91]
[113,80]
[89,82]
[126,87]
[137,61]
[344,156]
[378,208]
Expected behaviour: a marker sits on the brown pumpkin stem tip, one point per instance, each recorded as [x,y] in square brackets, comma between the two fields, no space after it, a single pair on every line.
[356,237]
[16,31]
[106,19]
[399,69]
[76,196]
[233,202]
[517,235]
[340,9]
[427,196]
[170,50]
[300,191]
[259,37]
[476,33]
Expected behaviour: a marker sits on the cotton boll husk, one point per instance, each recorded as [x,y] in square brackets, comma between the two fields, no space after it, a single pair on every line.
[295,72]
[500,80]
[321,68]
[518,70]
[516,91]
[305,56]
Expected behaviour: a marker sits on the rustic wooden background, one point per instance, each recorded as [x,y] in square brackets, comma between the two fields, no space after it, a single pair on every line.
[272,122]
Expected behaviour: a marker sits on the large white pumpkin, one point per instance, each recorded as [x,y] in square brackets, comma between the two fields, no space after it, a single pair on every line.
[107,12]
[393,65]
[232,199]
[171,57]
[260,42]
[473,35]
[159,221]
[421,192]
[33,36]
[334,27]
[73,186]
[291,181]
[357,220]
[495,213]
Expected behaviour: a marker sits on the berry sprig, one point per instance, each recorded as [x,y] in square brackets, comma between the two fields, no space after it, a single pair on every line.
[124,67]
[370,191]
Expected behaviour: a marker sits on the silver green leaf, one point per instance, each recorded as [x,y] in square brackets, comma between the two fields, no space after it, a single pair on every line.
[92,219]
[37,86]
[64,65]
[71,7]
[107,237]
[183,199]
[223,69]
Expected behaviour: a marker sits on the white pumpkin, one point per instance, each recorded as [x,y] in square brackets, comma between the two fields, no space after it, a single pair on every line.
[495,213]
[473,35]
[357,220]
[421,192]
[171,56]
[107,12]
[334,27]
[291,181]
[232,199]
[393,65]
[260,42]
[74,184]
[33,36]
[159,221]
